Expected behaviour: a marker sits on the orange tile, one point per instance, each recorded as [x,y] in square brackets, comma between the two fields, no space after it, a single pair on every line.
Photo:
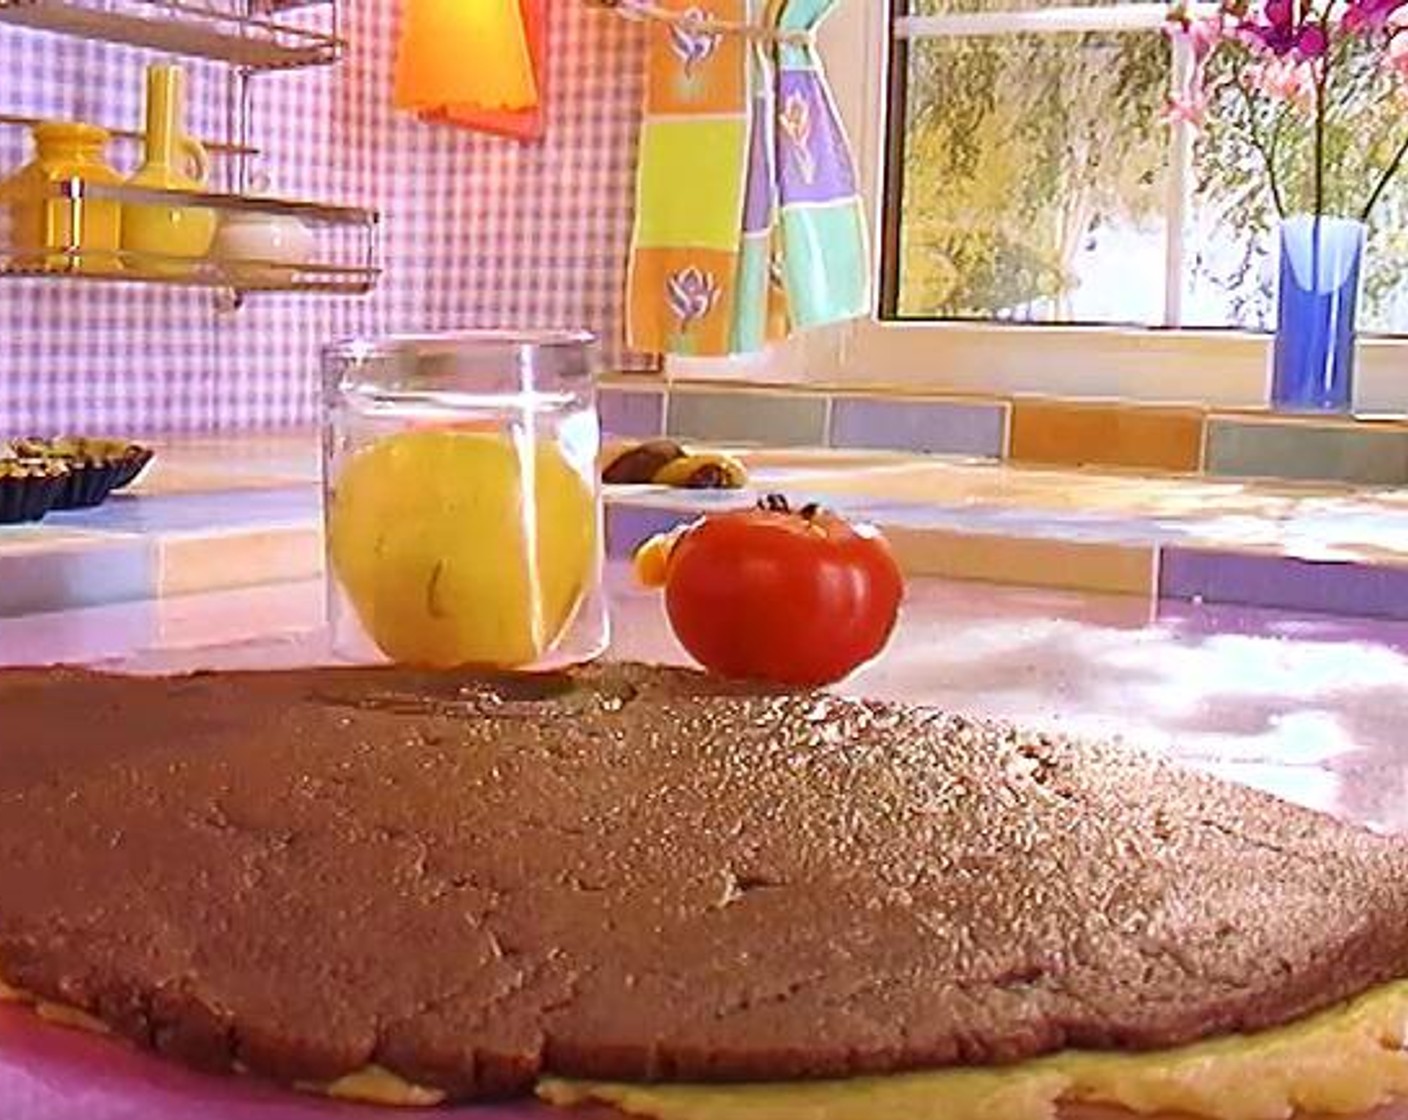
[195,562]
[1067,433]
[1108,566]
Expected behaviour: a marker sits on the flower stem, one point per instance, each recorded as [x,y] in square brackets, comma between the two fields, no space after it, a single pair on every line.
[1321,81]
[1263,149]
[1384,180]
[1321,111]
[1273,148]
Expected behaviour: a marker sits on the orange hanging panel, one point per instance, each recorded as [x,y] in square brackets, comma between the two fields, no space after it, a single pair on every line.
[473,62]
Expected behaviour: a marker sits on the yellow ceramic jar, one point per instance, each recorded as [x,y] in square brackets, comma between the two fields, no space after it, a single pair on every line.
[49,230]
[174,162]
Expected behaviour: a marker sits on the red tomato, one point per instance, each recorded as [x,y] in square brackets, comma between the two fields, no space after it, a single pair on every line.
[797,597]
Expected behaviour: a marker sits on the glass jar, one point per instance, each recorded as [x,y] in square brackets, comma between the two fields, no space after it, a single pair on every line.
[462,500]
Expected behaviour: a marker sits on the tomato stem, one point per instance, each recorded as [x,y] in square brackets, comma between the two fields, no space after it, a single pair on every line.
[778,503]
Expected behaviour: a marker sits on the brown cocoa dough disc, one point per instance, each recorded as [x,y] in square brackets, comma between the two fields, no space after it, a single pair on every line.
[640,873]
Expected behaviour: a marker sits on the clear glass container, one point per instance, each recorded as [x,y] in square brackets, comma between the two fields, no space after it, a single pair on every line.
[462,500]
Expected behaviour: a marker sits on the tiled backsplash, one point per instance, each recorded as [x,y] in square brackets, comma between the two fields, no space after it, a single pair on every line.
[791,420]
[1095,435]
[1031,431]
[221,513]
[975,429]
[478,231]
[1366,454]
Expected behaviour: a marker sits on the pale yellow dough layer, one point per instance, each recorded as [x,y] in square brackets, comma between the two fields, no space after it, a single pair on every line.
[56,1013]
[375,1085]
[1344,1061]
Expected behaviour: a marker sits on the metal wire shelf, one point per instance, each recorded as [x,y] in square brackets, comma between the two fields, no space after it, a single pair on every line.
[253,42]
[319,213]
[214,147]
[248,277]
[352,269]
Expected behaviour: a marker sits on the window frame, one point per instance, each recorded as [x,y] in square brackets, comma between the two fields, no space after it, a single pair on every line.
[1218,368]
[1147,17]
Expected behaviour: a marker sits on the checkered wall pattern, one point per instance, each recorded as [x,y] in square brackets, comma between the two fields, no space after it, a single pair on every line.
[477,231]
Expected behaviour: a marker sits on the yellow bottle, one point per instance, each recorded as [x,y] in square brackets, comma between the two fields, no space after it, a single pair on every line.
[86,232]
[172,161]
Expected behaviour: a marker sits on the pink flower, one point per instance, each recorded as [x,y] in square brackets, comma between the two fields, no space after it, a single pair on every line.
[1202,35]
[1284,79]
[1369,16]
[1191,109]
[1205,34]
[1398,55]
[1284,29]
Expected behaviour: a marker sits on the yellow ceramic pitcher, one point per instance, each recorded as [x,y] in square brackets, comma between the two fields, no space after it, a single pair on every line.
[79,234]
[165,236]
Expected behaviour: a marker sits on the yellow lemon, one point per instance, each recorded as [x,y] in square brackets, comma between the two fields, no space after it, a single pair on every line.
[462,548]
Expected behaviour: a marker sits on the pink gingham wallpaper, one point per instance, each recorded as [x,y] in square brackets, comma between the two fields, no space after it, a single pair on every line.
[477,231]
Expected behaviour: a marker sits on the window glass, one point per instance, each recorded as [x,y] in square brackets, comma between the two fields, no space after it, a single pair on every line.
[1040,178]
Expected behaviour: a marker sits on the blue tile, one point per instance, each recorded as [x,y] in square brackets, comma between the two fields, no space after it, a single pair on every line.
[629,412]
[188,513]
[1215,619]
[1360,590]
[60,579]
[627,526]
[932,427]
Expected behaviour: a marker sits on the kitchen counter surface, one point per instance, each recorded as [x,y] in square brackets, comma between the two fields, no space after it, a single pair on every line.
[219,513]
[1310,708]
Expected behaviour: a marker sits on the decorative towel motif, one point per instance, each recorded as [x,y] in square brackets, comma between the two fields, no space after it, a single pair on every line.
[749,222]
[478,63]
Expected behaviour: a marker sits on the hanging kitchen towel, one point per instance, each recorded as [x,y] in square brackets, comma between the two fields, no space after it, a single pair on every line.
[748,217]
[474,62]
[825,260]
[694,146]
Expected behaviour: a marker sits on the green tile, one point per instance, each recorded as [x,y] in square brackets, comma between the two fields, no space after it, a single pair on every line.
[774,419]
[1305,451]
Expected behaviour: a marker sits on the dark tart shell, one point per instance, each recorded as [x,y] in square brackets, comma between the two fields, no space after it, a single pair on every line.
[88,484]
[96,467]
[29,493]
[133,462]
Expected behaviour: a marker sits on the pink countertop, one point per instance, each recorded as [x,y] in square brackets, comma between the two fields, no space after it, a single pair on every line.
[1310,709]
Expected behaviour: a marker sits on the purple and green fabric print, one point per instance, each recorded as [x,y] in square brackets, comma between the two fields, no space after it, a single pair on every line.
[749,223]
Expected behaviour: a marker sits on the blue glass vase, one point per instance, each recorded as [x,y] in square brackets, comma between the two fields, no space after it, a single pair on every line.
[1318,297]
